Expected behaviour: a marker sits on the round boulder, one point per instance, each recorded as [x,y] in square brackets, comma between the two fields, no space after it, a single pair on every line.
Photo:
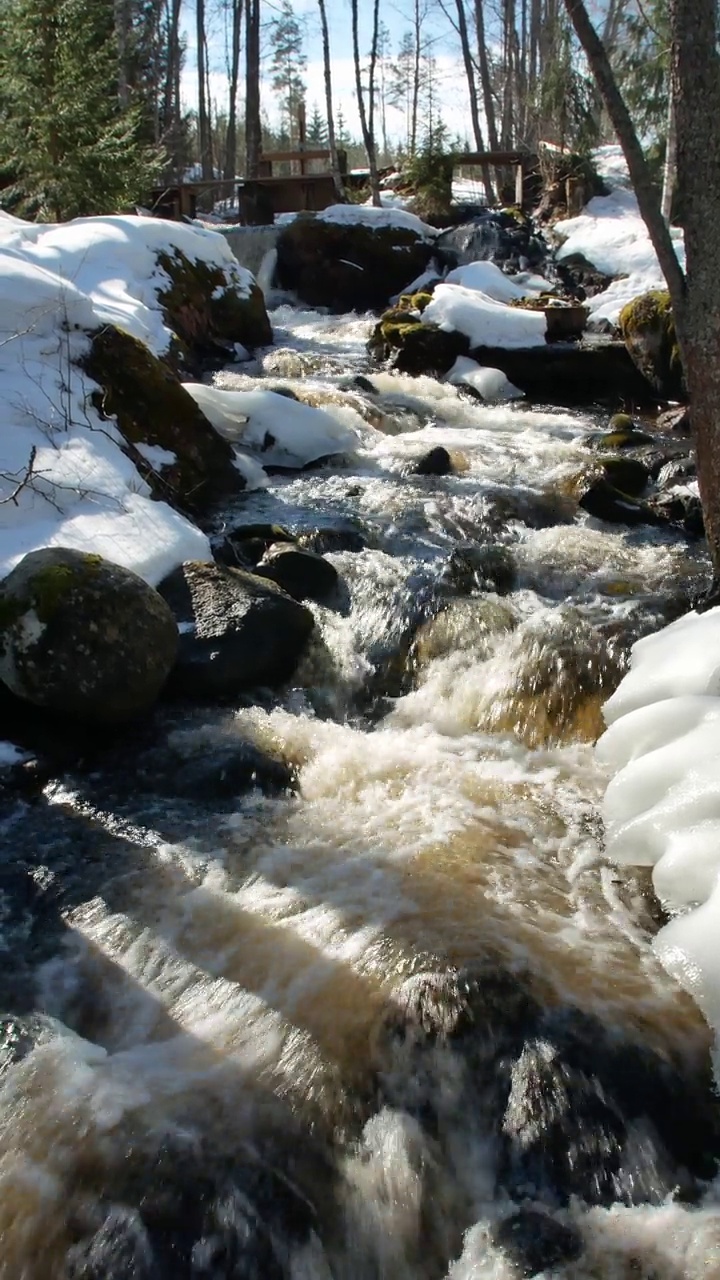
[305,575]
[648,329]
[83,636]
[237,630]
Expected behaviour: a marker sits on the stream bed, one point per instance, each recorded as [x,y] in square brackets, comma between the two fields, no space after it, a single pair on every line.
[399,1020]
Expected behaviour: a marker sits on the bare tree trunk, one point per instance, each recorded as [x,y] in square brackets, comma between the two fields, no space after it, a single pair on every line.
[417,32]
[122,35]
[366,116]
[253,127]
[670,166]
[639,173]
[486,84]
[204,141]
[327,69]
[472,94]
[230,166]
[696,90]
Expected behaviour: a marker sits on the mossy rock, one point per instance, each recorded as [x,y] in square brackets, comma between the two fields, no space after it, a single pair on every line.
[414,347]
[151,406]
[629,475]
[348,266]
[83,637]
[208,312]
[621,438]
[648,329]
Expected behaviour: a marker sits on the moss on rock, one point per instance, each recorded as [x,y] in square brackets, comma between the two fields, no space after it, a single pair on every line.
[648,329]
[208,312]
[79,634]
[414,347]
[348,266]
[152,407]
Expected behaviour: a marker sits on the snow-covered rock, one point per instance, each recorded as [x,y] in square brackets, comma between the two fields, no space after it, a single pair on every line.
[662,805]
[280,431]
[491,384]
[487,278]
[65,479]
[483,320]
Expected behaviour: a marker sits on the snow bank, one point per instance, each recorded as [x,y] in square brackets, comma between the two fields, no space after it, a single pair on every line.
[611,235]
[64,480]
[280,431]
[113,261]
[492,384]
[370,216]
[486,322]
[662,806]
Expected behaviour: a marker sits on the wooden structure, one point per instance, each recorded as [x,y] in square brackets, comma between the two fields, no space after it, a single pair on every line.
[178,200]
[524,165]
[270,193]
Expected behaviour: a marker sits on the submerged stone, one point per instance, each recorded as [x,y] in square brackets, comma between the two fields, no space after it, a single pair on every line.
[305,575]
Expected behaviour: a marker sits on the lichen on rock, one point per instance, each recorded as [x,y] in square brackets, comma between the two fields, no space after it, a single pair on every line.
[83,636]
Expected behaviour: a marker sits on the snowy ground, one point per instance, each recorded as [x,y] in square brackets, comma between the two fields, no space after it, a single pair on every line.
[611,235]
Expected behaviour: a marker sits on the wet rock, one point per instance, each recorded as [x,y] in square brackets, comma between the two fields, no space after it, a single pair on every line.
[410,346]
[677,420]
[648,329]
[592,371]
[237,630]
[358,383]
[436,462]
[305,575]
[603,501]
[217,772]
[629,475]
[190,1214]
[152,407]
[574,1109]
[81,635]
[536,1242]
[536,510]
[348,535]
[682,508]
[287,392]
[504,236]
[348,267]
[244,545]
[675,471]
[580,277]
[623,437]
[482,568]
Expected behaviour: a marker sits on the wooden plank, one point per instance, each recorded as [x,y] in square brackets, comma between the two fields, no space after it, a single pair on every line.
[495,158]
[277,157]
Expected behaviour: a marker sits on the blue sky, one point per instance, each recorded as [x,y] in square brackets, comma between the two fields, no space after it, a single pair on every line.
[450,86]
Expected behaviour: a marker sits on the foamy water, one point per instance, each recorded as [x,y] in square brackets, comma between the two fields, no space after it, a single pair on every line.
[225,994]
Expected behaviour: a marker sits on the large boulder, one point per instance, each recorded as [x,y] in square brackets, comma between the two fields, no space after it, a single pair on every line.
[237,630]
[401,337]
[349,266]
[648,329]
[177,451]
[84,637]
[209,309]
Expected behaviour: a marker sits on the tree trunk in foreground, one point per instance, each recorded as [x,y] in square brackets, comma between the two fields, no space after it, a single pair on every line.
[253,128]
[696,93]
[695,297]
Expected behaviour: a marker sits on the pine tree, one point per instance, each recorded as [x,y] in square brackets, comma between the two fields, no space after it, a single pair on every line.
[317,128]
[67,146]
[288,65]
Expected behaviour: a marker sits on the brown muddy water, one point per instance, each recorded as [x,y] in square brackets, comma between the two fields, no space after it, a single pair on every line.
[402,1022]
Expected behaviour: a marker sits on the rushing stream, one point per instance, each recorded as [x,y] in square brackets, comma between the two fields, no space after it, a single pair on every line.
[401,1021]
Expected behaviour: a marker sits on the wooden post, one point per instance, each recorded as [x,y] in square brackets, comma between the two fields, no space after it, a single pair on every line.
[520,185]
[302,124]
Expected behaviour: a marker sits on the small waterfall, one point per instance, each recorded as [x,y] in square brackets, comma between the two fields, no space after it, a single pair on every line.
[251,244]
